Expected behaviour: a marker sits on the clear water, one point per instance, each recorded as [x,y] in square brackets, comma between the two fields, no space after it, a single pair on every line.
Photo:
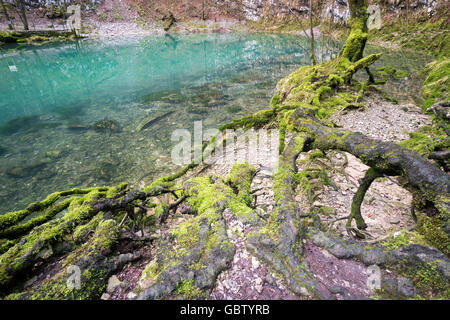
[52,96]
[51,103]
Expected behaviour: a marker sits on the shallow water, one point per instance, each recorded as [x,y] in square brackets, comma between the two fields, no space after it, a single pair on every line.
[53,97]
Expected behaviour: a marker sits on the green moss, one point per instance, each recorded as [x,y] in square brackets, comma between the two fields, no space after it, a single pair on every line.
[389,71]
[356,40]
[11,218]
[14,261]
[94,272]
[186,236]
[35,37]
[256,120]
[104,238]
[167,181]
[428,279]
[82,232]
[432,38]
[436,86]
[426,140]
[275,101]
[433,231]
[282,136]
[150,273]
[206,197]
[188,291]
[403,238]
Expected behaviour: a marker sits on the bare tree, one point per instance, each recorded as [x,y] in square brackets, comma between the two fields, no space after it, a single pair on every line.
[5,12]
[310,36]
[313,56]
[21,11]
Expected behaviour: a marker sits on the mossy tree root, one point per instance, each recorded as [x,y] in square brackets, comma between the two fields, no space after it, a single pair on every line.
[355,213]
[11,218]
[385,158]
[279,242]
[93,263]
[428,267]
[19,256]
[197,250]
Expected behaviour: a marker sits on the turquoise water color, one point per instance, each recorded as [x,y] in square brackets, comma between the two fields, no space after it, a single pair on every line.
[79,114]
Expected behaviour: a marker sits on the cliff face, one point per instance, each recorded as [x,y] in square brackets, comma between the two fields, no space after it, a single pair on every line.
[288,9]
[276,10]
[336,9]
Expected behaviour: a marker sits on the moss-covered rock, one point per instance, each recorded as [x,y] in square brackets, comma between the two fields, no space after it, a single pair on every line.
[389,71]
[436,86]
[107,125]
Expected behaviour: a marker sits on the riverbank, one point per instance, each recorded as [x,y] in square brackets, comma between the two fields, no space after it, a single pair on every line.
[342,192]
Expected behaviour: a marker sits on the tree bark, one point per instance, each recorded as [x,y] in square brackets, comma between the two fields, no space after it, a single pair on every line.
[313,56]
[22,13]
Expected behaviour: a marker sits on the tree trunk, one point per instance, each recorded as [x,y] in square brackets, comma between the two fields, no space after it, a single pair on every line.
[22,13]
[354,46]
[5,12]
[313,56]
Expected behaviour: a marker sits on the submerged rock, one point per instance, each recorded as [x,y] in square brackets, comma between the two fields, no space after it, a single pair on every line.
[107,125]
[164,96]
[197,110]
[54,154]
[19,124]
[234,109]
[26,170]
[2,150]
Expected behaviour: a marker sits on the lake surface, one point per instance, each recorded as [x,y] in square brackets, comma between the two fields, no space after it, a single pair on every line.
[71,112]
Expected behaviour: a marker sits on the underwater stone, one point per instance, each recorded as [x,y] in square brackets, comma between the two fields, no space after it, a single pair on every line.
[18,124]
[2,150]
[55,154]
[197,110]
[234,109]
[26,170]
[165,96]
[107,125]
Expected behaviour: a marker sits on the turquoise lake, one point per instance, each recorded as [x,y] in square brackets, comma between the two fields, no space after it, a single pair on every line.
[56,99]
